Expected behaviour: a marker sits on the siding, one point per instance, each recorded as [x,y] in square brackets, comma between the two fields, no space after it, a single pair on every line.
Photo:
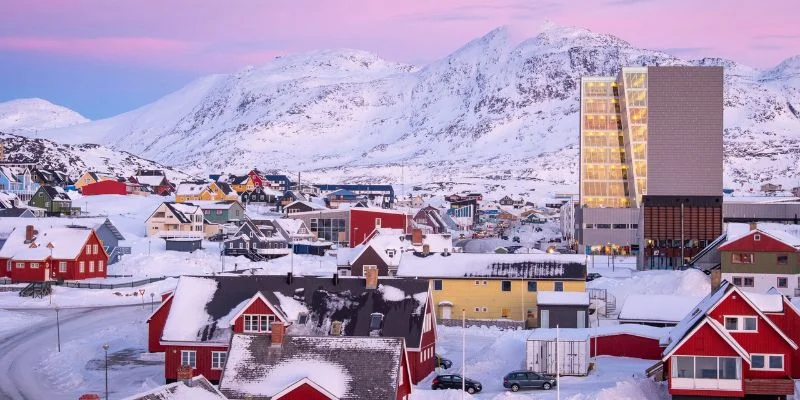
[258,307]
[172,360]
[362,223]
[369,257]
[303,392]
[624,345]
[155,326]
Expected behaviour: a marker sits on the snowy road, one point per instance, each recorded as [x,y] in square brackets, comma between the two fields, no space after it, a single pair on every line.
[31,368]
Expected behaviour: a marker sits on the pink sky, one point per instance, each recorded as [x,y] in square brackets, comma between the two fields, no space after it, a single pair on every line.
[221,36]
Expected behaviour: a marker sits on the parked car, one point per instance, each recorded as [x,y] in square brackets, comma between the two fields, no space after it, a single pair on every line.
[504,237]
[528,380]
[443,362]
[454,382]
[592,276]
[515,239]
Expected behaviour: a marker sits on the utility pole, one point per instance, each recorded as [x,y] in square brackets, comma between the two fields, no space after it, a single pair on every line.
[463,351]
[558,366]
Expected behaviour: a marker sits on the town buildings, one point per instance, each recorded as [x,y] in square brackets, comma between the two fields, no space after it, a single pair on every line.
[651,163]
[761,260]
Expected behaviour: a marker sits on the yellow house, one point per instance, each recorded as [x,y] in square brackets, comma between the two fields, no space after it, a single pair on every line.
[192,191]
[90,177]
[219,191]
[241,183]
[494,286]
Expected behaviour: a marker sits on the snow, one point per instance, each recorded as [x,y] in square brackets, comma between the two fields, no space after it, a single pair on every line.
[681,283]
[562,298]
[66,297]
[15,320]
[391,293]
[179,391]
[478,264]
[290,307]
[768,303]
[30,115]
[563,334]
[152,180]
[690,320]
[187,315]
[658,307]
[328,375]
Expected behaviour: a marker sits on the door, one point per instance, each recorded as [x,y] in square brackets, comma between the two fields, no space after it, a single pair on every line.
[534,380]
[581,319]
[47,272]
[446,312]
[545,319]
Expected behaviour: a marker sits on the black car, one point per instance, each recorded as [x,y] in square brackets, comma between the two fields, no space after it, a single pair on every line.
[454,382]
[592,276]
[442,362]
[528,380]
[515,239]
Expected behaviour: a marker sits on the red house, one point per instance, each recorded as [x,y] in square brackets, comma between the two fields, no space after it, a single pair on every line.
[255,175]
[363,222]
[315,367]
[194,325]
[155,179]
[108,187]
[729,347]
[56,253]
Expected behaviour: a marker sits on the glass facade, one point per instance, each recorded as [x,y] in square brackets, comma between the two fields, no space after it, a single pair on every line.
[330,229]
[614,139]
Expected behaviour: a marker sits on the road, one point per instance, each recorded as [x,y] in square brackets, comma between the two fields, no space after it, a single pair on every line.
[31,368]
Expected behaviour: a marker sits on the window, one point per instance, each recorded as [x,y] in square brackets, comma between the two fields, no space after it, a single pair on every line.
[741,324]
[219,212]
[375,321]
[368,268]
[559,286]
[505,286]
[88,249]
[756,237]
[603,226]
[189,358]
[505,313]
[767,361]
[437,284]
[477,309]
[95,249]
[705,368]
[782,259]
[682,367]
[377,222]
[485,309]
[62,266]
[742,258]
[34,265]
[81,267]
[589,226]
[620,226]
[91,266]
[20,265]
[218,359]
[483,283]
[749,282]
[531,286]
[477,283]
[258,323]
[100,266]
[302,318]
[783,282]
[737,280]
[691,367]
[207,212]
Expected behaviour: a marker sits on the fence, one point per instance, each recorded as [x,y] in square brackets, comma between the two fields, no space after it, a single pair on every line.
[81,285]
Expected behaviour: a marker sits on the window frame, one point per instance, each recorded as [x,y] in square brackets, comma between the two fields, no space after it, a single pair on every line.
[438,284]
[785,284]
[782,259]
[740,323]
[767,362]
[191,355]
[737,258]
[62,267]
[504,284]
[247,327]
[533,284]
[221,357]
[558,286]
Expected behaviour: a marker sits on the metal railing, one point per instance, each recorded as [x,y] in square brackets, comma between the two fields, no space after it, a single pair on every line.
[83,285]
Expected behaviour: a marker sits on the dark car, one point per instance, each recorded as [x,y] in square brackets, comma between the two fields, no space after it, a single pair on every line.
[454,382]
[515,239]
[528,380]
[504,237]
[592,276]
[443,362]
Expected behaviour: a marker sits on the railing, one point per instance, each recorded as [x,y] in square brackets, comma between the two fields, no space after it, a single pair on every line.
[608,299]
[82,285]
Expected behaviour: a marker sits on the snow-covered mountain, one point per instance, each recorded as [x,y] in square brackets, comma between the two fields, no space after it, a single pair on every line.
[491,114]
[31,115]
[78,158]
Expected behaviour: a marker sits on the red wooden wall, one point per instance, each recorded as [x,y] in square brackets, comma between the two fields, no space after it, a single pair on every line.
[364,220]
[626,345]
[303,392]
[104,187]
[172,360]
[155,326]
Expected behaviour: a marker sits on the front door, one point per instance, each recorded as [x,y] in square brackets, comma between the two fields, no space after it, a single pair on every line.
[545,319]
[446,311]
[47,272]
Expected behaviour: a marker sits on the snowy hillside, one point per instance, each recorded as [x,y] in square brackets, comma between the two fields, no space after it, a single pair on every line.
[75,159]
[31,115]
[492,114]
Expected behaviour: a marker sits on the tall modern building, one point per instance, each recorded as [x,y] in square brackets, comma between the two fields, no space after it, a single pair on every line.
[651,163]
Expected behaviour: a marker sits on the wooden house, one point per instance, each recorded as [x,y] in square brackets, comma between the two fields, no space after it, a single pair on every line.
[261,196]
[506,201]
[762,259]
[54,201]
[196,325]
[18,181]
[51,177]
[176,220]
[221,212]
[732,346]
[89,177]
[429,218]
[30,255]
[241,183]
[155,179]
[257,241]
[339,197]
[771,189]
[197,387]
[302,206]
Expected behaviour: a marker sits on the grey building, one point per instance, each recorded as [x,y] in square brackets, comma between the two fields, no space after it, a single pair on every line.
[563,309]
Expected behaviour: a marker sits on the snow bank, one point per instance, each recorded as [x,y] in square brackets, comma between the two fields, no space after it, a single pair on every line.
[630,389]
[291,307]
[391,293]
[766,302]
[658,307]
[682,283]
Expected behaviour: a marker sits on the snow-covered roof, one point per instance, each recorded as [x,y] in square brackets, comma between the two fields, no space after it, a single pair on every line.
[345,367]
[787,234]
[313,206]
[152,180]
[291,226]
[8,225]
[66,244]
[693,318]
[203,305]
[766,302]
[485,265]
[190,188]
[667,308]
[183,210]
[213,205]
[566,334]
[562,298]
[199,388]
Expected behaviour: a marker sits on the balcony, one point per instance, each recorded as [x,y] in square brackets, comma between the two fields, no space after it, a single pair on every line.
[770,387]
[706,384]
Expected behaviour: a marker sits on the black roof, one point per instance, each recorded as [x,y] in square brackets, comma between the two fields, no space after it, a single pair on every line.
[369,366]
[54,193]
[348,301]
[238,179]
[12,212]
[224,186]
[178,214]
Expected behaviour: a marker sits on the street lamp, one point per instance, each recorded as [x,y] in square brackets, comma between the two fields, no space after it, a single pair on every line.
[58,329]
[152,301]
[105,347]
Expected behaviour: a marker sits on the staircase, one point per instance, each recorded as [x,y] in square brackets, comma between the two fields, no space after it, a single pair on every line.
[609,302]
[254,256]
[36,290]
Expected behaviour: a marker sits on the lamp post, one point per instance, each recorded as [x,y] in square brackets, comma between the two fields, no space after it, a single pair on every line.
[58,329]
[105,347]
[152,301]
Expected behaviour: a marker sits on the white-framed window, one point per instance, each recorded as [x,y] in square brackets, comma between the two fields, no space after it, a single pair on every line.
[189,357]
[697,367]
[477,309]
[477,283]
[377,222]
[772,362]
[8,265]
[62,266]
[81,267]
[736,323]
[88,249]
[34,265]
[485,309]
[95,249]
[742,258]
[91,266]
[258,323]
[20,265]
[756,237]
[219,212]
[218,359]
[367,268]
[783,282]
[100,265]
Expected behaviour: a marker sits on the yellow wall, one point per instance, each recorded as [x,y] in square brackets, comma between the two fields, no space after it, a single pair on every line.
[464,293]
[84,180]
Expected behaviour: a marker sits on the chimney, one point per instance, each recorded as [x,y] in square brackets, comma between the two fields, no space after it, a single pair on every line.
[753,226]
[29,233]
[278,333]
[416,236]
[371,275]
[289,278]
[336,328]
[335,278]
[185,374]
[716,279]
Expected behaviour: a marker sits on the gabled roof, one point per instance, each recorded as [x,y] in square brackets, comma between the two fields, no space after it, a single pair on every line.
[191,188]
[55,193]
[200,389]
[182,210]
[15,212]
[490,265]
[718,329]
[308,204]
[348,368]
[781,236]
[342,193]
[203,306]
[151,180]
[225,187]
[66,243]
[238,179]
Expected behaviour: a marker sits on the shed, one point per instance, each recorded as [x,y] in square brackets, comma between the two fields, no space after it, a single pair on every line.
[563,309]
[571,350]
[186,245]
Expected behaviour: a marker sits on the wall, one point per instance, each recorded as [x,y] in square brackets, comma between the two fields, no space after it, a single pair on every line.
[564,316]
[303,392]
[684,143]
[172,360]
[104,187]
[155,326]
[601,237]
[624,345]
[362,223]
[464,293]
[370,257]
[753,212]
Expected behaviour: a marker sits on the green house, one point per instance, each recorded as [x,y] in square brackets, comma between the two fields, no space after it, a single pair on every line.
[54,200]
[221,212]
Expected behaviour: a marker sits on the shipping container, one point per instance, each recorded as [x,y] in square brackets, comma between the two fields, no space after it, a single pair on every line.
[571,351]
